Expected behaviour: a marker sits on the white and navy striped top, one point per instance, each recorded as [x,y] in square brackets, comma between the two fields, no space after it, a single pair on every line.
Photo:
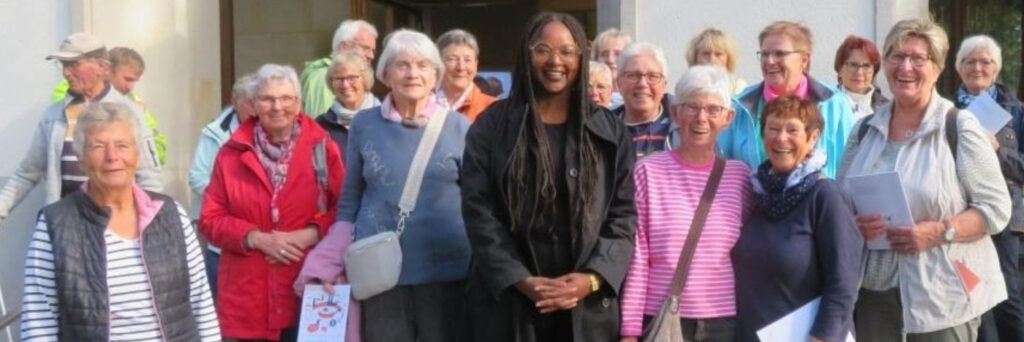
[132,315]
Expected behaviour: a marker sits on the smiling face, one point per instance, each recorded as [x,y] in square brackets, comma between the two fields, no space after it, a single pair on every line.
[110,155]
[641,93]
[410,77]
[347,85]
[909,82]
[700,117]
[787,142]
[782,64]
[857,73]
[277,106]
[600,88]
[554,59]
[460,63]
[978,71]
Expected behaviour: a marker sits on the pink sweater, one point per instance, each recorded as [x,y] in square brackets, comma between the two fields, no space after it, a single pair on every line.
[667,192]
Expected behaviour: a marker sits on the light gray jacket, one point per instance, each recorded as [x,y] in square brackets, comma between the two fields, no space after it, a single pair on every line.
[932,289]
[42,161]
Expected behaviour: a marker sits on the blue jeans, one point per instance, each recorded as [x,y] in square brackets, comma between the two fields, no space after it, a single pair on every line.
[1005,322]
[212,260]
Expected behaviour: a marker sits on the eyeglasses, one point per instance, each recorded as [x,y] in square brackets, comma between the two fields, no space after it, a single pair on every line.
[350,79]
[635,77]
[855,67]
[693,109]
[985,62]
[777,54]
[916,60]
[544,52]
[284,100]
[599,86]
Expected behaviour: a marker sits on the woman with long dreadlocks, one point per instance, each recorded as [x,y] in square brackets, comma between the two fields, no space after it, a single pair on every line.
[547,198]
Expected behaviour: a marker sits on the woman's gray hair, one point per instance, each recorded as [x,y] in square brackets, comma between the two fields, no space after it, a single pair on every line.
[705,79]
[606,35]
[103,114]
[600,69]
[460,37]
[240,90]
[354,59]
[639,48]
[984,43]
[408,41]
[348,31]
[274,72]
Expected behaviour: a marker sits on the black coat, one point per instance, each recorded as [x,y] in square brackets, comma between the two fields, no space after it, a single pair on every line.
[502,257]
[339,134]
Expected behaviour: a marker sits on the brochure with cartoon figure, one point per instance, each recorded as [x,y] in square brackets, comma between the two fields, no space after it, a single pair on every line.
[324,316]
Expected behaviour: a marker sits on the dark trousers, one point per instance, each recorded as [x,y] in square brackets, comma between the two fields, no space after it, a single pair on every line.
[421,313]
[1005,322]
[212,260]
[705,330]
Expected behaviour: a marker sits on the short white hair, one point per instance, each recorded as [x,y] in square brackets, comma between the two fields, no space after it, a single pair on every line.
[240,90]
[642,48]
[102,114]
[599,68]
[408,41]
[458,37]
[705,79]
[606,35]
[274,72]
[984,43]
[348,31]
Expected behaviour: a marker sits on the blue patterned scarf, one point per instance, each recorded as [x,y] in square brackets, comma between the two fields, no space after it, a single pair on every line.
[778,193]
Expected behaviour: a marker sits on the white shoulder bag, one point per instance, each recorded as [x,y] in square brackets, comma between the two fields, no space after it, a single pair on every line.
[373,264]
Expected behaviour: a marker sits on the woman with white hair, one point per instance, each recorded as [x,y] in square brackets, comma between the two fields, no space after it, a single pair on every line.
[599,85]
[270,198]
[669,188]
[350,78]
[978,62]
[642,80]
[460,53]
[427,303]
[352,35]
[111,261]
[607,47]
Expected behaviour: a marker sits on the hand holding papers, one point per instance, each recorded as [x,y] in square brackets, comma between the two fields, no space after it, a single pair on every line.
[991,115]
[794,327]
[324,316]
[880,193]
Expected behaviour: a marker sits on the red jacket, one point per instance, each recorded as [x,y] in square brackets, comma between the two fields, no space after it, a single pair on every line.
[254,299]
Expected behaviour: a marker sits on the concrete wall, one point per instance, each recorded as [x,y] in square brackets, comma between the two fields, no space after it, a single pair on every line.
[179,39]
[671,24]
[285,32]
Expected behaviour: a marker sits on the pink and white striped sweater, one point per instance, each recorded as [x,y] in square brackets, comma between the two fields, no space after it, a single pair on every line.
[667,193]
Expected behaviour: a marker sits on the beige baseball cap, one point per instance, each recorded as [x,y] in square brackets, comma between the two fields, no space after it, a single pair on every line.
[76,46]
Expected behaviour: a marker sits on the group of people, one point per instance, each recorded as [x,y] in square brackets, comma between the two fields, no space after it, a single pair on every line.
[560,213]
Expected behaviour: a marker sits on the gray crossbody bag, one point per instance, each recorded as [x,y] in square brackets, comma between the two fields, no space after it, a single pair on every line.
[373,264]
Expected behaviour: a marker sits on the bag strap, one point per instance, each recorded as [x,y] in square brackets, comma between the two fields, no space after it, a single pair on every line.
[414,179]
[320,168]
[952,136]
[696,227]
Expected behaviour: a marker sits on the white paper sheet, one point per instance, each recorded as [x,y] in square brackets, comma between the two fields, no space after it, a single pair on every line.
[794,327]
[880,193]
[324,316]
[991,115]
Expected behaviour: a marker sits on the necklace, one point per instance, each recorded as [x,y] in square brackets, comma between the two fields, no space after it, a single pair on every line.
[909,133]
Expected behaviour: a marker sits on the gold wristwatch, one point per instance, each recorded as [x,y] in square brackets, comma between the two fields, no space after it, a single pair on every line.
[595,282]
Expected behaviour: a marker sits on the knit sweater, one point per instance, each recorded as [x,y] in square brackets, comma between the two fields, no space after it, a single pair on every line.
[377,159]
[667,193]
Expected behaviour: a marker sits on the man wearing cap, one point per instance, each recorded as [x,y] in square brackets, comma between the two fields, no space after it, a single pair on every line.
[126,68]
[50,157]
[352,35]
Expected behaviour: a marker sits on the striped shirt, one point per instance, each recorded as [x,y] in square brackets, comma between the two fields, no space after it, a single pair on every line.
[132,315]
[667,193]
[71,174]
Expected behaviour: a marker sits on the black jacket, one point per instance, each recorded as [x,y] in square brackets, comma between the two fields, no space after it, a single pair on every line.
[502,257]
[329,122]
[1011,146]
[76,226]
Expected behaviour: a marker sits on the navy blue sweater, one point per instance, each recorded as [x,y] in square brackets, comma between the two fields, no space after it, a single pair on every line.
[377,159]
[813,251]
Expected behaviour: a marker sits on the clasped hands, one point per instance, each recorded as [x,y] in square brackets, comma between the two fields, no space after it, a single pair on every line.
[905,240]
[283,247]
[553,294]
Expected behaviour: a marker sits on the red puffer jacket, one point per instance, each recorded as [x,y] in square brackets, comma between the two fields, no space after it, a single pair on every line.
[254,298]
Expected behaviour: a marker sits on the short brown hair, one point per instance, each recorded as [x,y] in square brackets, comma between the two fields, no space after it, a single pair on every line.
[126,56]
[858,43]
[791,106]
